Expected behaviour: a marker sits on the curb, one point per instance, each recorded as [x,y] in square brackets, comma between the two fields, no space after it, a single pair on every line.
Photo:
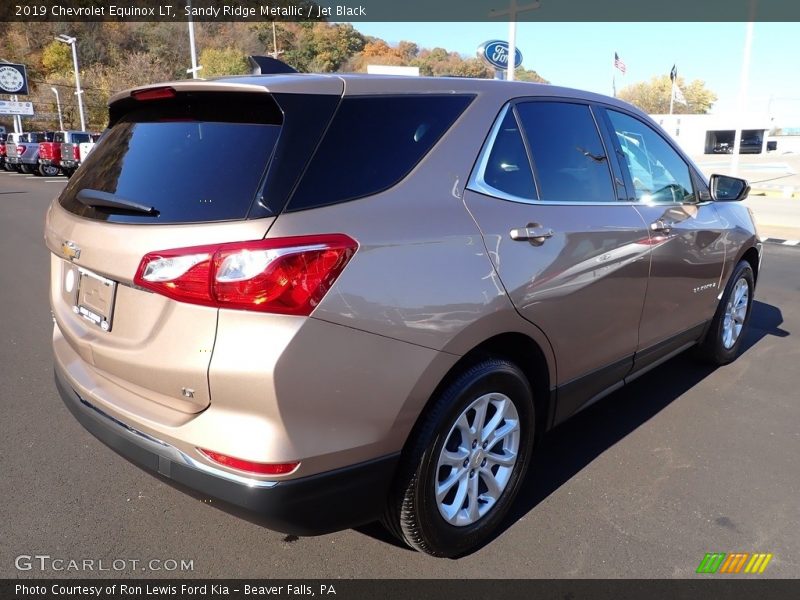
[775,191]
[781,242]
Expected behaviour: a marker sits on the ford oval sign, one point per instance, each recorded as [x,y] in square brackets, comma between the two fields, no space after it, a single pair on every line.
[495,54]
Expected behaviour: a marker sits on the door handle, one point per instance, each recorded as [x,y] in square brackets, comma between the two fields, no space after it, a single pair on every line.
[660,226]
[533,233]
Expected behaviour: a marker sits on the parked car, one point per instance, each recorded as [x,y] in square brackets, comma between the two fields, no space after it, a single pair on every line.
[26,152]
[381,311]
[12,139]
[722,148]
[2,149]
[750,145]
[72,154]
[51,153]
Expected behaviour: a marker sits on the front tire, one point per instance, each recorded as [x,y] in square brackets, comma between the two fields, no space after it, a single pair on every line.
[723,340]
[465,462]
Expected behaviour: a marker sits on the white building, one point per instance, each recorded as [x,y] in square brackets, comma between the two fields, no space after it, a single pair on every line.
[702,134]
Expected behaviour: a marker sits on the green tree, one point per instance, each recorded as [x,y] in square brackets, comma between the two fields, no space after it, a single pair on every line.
[223,61]
[653,96]
[56,58]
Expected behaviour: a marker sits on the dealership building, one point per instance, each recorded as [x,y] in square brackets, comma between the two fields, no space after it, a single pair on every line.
[701,134]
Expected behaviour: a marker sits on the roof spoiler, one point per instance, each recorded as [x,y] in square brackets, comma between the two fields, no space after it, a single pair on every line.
[266,65]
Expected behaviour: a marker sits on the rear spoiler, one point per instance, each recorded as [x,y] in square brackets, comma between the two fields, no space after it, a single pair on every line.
[266,65]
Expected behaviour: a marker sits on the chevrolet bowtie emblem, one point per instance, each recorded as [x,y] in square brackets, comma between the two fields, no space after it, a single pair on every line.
[70,250]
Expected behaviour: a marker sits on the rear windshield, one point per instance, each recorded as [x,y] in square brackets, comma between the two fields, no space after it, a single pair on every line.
[195,158]
[36,137]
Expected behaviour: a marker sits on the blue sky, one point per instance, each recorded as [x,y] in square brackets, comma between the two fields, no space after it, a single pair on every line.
[580,55]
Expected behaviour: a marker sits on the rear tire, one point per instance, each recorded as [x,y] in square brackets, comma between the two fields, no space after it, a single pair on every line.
[464,464]
[723,340]
[48,170]
[68,172]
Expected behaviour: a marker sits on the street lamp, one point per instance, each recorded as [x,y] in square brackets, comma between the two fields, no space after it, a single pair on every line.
[193,51]
[58,104]
[65,39]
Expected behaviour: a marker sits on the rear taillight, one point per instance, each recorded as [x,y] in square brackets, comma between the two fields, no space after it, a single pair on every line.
[286,275]
[249,465]
[159,93]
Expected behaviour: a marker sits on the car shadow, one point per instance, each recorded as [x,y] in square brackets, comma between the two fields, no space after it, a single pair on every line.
[570,447]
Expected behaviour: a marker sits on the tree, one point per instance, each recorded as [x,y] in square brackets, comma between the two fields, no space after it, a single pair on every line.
[223,61]
[653,96]
[56,58]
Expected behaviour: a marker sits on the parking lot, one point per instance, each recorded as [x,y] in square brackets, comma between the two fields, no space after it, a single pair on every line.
[686,460]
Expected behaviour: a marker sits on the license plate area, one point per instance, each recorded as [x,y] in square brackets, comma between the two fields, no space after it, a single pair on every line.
[94,298]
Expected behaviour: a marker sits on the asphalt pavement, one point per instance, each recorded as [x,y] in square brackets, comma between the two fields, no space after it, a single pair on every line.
[684,461]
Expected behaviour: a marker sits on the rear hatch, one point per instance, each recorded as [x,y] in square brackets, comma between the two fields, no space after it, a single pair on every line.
[176,168]
[11,147]
[70,146]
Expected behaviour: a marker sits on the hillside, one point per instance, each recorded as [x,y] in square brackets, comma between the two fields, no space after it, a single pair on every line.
[116,56]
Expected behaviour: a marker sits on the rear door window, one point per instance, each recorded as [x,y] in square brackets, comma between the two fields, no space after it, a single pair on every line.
[373,143]
[195,158]
[568,156]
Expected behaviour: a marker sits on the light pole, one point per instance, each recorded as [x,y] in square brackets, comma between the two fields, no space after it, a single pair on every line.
[192,49]
[65,39]
[58,105]
[512,12]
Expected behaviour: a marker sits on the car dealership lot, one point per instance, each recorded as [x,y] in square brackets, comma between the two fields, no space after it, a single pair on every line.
[685,461]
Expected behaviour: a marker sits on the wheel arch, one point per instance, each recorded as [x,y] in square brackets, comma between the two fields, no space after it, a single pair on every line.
[753,257]
[518,348]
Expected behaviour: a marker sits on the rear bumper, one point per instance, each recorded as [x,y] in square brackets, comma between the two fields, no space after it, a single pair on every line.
[311,505]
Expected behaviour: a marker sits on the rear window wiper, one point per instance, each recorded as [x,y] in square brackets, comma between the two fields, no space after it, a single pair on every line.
[98,199]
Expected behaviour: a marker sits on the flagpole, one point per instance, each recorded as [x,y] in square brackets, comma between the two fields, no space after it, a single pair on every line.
[672,96]
[614,75]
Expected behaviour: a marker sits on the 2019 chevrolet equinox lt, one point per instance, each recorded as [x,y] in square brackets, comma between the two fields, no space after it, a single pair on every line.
[336,299]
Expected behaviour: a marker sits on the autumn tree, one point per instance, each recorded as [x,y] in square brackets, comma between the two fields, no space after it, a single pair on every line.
[223,61]
[56,58]
[653,96]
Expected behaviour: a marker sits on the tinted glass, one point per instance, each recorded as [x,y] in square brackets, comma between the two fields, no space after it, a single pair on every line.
[59,137]
[36,137]
[507,167]
[372,143]
[658,172]
[568,157]
[79,138]
[188,170]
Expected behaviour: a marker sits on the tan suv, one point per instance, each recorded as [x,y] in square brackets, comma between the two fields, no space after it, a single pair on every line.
[335,299]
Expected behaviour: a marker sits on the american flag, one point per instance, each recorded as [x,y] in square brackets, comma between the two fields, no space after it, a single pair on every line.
[619,63]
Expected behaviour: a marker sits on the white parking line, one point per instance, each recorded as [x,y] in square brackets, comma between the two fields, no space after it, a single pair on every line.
[54,181]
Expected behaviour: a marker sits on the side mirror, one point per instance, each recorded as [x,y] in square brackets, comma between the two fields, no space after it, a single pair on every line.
[728,189]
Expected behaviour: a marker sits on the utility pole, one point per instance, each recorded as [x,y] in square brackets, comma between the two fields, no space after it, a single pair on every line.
[748,43]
